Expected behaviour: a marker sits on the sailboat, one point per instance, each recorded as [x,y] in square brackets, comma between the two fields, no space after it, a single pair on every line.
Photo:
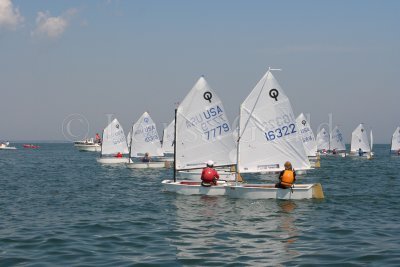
[360,145]
[395,144]
[168,140]
[337,145]
[268,137]
[323,145]
[145,140]
[307,136]
[202,133]
[114,144]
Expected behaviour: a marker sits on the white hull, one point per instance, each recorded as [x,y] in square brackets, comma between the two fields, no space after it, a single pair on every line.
[268,191]
[8,148]
[196,175]
[147,165]
[194,188]
[298,172]
[367,155]
[112,160]
[90,148]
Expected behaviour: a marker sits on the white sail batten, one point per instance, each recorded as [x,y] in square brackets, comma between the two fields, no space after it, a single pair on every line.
[359,139]
[268,131]
[168,139]
[396,140]
[144,138]
[203,131]
[323,140]
[307,135]
[337,140]
[114,139]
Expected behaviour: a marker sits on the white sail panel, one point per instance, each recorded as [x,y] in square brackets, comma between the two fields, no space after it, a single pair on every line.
[337,140]
[145,138]
[114,139]
[307,135]
[323,140]
[396,140]
[268,131]
[128,139]
[168,138]
[359,139]
[371,139]
[203,131]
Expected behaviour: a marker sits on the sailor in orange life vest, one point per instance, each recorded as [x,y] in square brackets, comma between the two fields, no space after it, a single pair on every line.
[209,175]
[119,155]
[287,177]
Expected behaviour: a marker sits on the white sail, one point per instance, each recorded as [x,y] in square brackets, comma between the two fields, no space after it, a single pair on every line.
[268,131]
[323,140]
[168,139]
[359,139]
[128,139]
[337,140]
[396,140]
[307,135]
[145,138]
[203,131]
[114,139]
[371,139]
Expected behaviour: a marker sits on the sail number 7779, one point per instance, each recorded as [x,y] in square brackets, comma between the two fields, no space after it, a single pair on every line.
[217,131]
[280,132]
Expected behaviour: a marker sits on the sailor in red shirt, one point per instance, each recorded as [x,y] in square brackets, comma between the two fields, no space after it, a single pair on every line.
[209,175]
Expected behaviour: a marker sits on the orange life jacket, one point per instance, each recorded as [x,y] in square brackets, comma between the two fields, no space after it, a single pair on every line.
[287,178]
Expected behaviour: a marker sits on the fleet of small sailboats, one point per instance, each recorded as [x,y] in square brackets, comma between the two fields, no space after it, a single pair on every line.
[268,135]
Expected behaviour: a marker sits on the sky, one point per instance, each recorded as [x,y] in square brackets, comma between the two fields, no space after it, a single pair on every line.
[66,67]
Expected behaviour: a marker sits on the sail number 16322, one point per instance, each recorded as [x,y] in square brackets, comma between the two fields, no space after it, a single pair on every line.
[280,132]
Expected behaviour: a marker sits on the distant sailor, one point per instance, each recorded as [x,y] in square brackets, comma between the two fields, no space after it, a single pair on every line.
[287,177]
[209,175]
[119,155]
[146,157]
[98,139]
[360,152]
[398,152]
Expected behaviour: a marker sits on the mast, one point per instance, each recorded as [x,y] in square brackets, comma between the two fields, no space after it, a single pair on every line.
[130,146]
[176,111]
[237,147]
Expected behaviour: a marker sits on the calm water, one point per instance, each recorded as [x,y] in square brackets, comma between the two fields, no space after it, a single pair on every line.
[60,208]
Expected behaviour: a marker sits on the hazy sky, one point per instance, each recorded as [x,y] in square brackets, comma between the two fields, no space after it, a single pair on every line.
[93,58]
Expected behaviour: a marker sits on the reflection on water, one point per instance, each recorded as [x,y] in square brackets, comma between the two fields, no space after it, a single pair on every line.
[214,229]
[287,226]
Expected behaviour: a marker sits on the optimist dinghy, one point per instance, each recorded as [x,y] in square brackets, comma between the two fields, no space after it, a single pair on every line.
[202,133]
[323,142]
[268,137]
[310,144]
[360,146]
[145,140]
[337,145]
[395,145]
[114,144]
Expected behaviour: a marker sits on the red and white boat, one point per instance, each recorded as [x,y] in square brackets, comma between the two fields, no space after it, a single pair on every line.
[30,146]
